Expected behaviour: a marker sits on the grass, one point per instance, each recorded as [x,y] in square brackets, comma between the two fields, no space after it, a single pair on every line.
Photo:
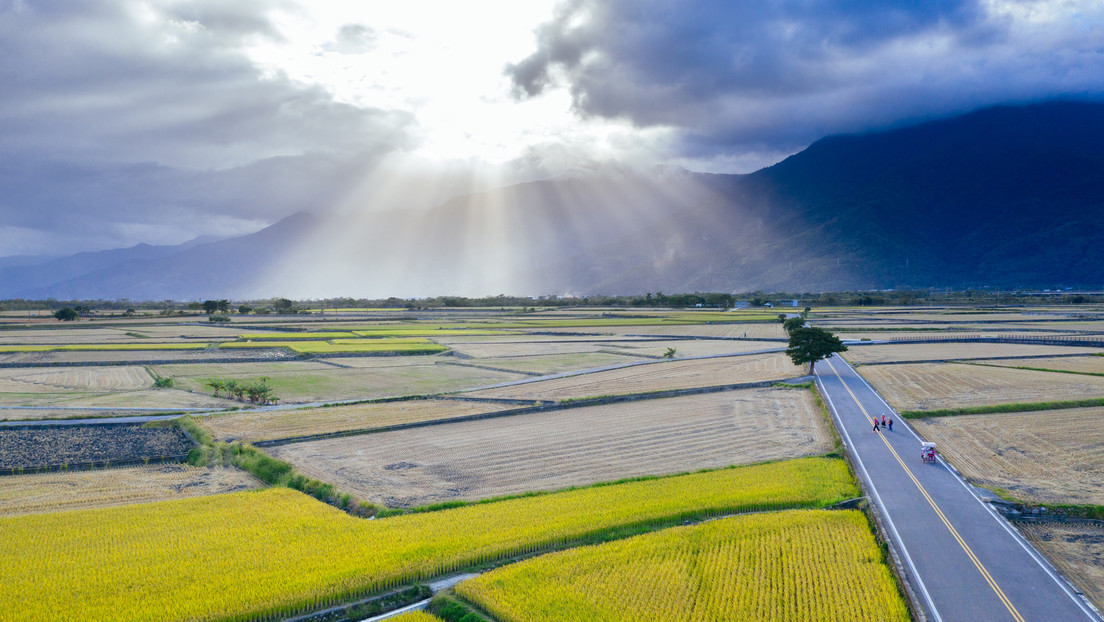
[1002,408]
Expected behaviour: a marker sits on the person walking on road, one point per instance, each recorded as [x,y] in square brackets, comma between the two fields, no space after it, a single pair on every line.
[883,420]
[891,424]
[875,424]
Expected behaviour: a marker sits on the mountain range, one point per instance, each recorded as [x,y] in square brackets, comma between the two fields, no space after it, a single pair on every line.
[1008,197]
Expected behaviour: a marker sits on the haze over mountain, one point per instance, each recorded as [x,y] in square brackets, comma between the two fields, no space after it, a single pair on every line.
[1006,196]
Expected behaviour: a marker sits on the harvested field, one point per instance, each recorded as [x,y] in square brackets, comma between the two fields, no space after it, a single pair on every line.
[1078,364]
[82,379]
[935,386]
[758,330]
[686,347]
[495,349]
[1076,549]
[8,413]
[109,357]
[163,399]
[552,450]
[1052,456]
[305,382]
[276,424]
[32,447]
[952,351]
[99,488]
[659,376]
[559,363]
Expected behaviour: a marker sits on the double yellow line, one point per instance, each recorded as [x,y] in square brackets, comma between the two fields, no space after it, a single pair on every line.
[954,532]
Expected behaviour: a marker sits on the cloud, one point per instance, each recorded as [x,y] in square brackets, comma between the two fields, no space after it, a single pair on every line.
[354,39]
[733,78]
[132,117]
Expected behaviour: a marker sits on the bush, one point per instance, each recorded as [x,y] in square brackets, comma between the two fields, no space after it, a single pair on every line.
[219,319]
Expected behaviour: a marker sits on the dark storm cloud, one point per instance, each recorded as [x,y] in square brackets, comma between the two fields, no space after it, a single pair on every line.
[127,115]
[732,76]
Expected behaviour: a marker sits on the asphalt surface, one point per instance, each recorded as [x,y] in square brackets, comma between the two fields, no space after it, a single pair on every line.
[963,560]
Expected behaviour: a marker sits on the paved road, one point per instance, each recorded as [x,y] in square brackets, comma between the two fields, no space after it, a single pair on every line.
[963,560]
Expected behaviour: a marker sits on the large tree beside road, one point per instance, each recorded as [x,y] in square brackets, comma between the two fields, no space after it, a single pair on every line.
[809,345]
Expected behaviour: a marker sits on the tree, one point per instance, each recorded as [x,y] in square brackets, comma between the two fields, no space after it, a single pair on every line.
[210,306]
[809,345]
[284,306]
[66,315]
[793,323]
[245,309]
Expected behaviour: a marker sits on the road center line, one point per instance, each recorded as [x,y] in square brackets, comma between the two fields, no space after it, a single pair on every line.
[939,512]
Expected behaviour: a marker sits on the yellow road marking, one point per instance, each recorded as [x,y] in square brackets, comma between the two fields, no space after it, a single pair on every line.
[939,512]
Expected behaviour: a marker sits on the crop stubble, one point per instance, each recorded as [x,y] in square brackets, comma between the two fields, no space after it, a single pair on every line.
[1076,549]
[71,490]
[660,376]
[276,424]
[545,451]
[952,351]
[1054,456]
[933,386]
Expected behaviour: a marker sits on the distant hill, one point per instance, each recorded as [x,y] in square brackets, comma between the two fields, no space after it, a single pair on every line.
[1011,196]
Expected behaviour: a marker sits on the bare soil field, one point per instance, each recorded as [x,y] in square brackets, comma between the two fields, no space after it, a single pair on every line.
[1076,549]
[1054,456]
[952,351]
[1077,364]
[548,451]
[72,490]
[307,382]
[870,335]
[659,376]
[28,447]
[276,424]
[933,386]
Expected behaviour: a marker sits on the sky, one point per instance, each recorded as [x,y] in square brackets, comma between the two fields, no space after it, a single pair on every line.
[126,121]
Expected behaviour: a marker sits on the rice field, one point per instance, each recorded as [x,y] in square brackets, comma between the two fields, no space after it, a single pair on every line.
[555,363]
[1054,456]
[953,351]
[72,490]
[659,376]
[276,424]
[313,381]
[796,565]
[73,379]
[1075,364]
[276,553]
[479,459]
[934,386]
[690,347]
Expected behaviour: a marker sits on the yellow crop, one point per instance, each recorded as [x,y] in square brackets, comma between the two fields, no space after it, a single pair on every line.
[415,616]
[793,566]
[259,555]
